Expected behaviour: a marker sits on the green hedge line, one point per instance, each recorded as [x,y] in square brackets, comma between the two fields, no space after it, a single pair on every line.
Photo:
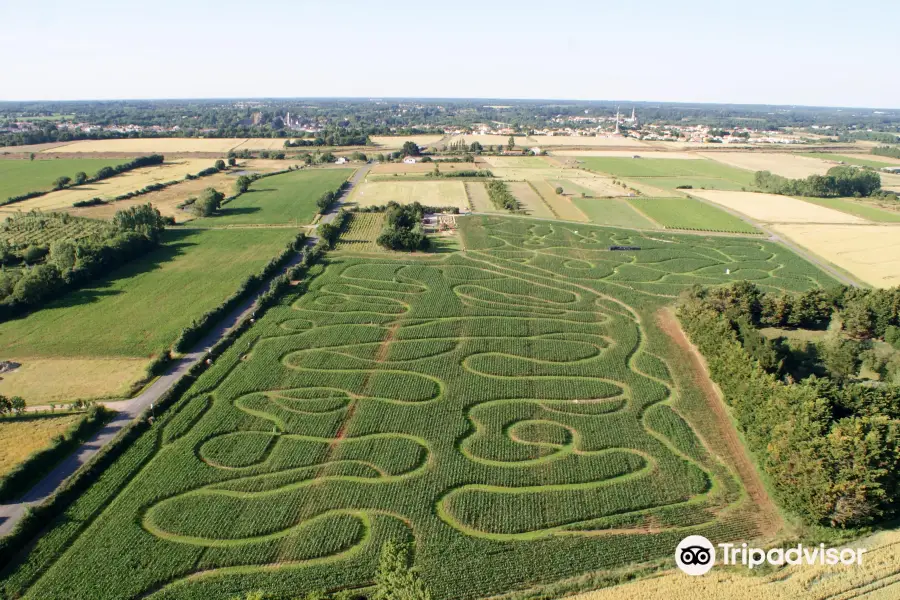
[27,473]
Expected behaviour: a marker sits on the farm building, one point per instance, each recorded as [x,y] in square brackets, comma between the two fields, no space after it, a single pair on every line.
[410,160]
[536,151]
[340,161]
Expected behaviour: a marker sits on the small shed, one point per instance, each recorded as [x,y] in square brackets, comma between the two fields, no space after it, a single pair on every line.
[410,160]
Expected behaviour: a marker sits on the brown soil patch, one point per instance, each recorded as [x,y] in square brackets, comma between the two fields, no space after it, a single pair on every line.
[769,519]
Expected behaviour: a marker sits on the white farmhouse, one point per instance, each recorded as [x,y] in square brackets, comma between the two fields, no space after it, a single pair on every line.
[340,161]
[410,160]
[536,151]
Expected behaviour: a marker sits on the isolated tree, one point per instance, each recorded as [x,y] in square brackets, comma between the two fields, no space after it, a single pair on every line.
[559,190]
[329,233]
[410,149]
[208,203]
[476,148]
[220,165]
[18,404]
[80,177]
[144,219]
[31,156]
[232,161]
[242,184]
[5,405]
[511,143]
[61,182]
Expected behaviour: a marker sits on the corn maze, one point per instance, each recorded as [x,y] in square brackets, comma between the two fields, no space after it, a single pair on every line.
[513,410]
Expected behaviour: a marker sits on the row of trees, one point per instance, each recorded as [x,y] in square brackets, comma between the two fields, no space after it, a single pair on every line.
[70,263]
[500,195]
[838,182]
[892,151]
[831,448]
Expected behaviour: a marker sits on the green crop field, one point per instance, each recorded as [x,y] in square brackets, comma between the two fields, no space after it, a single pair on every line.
[514,409]
[860,209]
[851,160]
[289,198]
[661,167]
[19,177]
[612,211]
[708,183]
[360,233]
[42,229]
[688,213]
[141,307]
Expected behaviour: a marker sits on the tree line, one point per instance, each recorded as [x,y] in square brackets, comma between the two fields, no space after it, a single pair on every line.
[830,444]
[892,151]
[500,195]
[67,264]
[403,228]
[838,182]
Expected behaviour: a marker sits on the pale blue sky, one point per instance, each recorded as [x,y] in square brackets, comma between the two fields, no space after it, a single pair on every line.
[815,52]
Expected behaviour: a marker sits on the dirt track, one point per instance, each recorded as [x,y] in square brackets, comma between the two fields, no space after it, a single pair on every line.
[769,519]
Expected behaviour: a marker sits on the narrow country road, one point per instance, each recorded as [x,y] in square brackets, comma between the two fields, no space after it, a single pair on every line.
[127,410]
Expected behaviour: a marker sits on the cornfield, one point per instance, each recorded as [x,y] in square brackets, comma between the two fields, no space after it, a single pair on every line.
[513,409]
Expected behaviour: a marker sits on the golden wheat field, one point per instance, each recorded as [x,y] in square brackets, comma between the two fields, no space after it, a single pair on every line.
[490,140]
[890,182]
[397,141]
[870,252]
[46,380]
[429,193]
[478,197]
[786,165]
[771,208]
[878,578]
[21,437]
[561,206]
[174,170]
[530,201]
[146,145]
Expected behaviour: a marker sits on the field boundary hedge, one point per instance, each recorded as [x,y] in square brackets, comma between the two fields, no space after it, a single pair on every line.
[104,173]
[39,463]
[39,517]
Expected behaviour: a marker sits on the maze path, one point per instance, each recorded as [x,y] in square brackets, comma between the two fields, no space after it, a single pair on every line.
[509,393]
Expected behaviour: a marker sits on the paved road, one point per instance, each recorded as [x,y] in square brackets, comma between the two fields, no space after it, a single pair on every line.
[127,410]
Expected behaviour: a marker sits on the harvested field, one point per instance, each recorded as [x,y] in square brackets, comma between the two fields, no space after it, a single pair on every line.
[22,436]
[771,208]
[890,182]
[610,211]
[429,193]
[875,579]
[870,252]
[478,197]
[792,166]
[490,140]
[863,160]
[152,145]
[519,174]
[114,186]
[394,142]
[422,168]
[42,380]
[18,177]
[543,141]
[530,201]
[29,148]
[677,185]
[561,206]
[167,200]
[648,187]
[624,154]
[267,144]
[515,410]
[602,187]
[517,162]
[688,213]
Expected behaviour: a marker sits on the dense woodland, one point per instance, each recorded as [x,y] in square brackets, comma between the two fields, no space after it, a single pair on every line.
[828,438]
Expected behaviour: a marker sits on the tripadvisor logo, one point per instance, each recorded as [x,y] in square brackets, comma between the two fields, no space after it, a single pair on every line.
[696,555]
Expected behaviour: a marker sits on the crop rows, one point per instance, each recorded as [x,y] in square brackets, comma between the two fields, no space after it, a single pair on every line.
[43,229]
[510,408]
